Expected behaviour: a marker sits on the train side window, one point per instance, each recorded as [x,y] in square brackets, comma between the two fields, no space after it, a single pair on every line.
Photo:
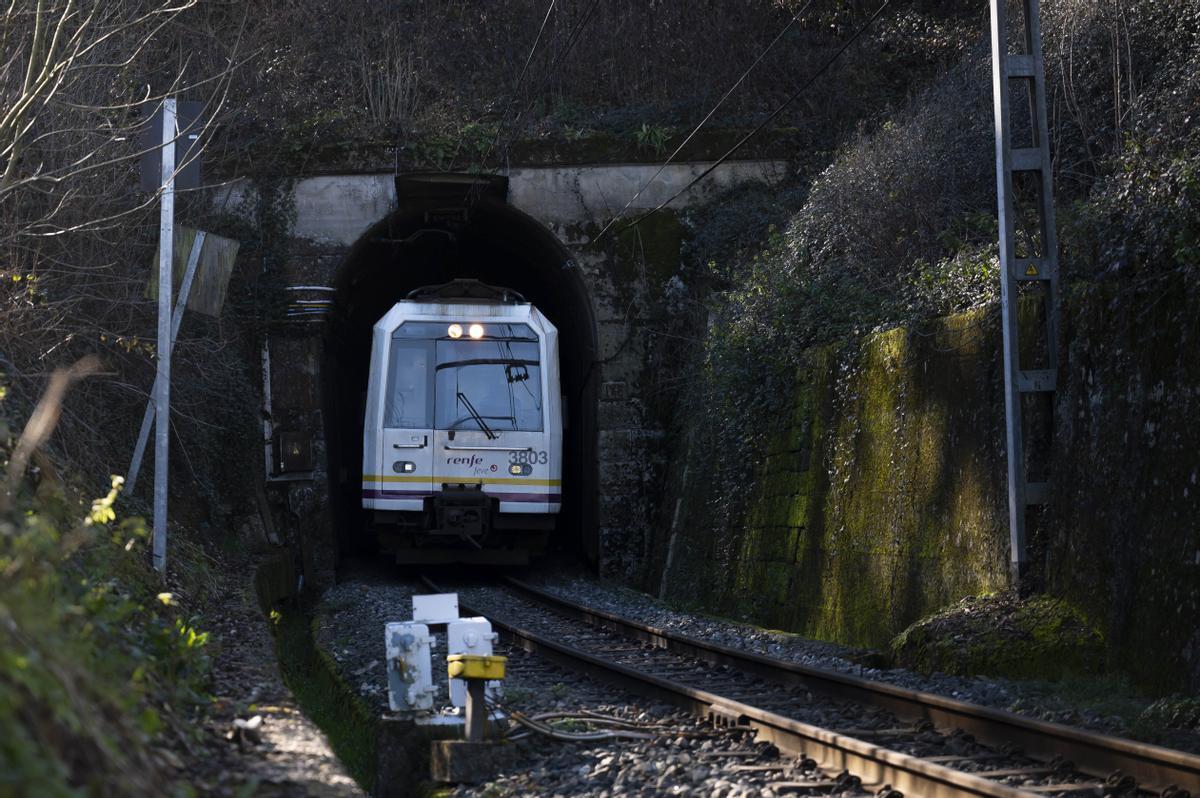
[408,403]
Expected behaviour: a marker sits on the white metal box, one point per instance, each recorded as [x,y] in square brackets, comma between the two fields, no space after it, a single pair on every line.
[435,608]
[470,636]
[409,667]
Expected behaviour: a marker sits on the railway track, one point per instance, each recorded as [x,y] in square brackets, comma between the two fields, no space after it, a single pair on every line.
[918,743]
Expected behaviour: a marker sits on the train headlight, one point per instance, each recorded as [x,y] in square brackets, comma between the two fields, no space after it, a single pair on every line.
[520,469]
[454,331]
[404,467]
[476,330]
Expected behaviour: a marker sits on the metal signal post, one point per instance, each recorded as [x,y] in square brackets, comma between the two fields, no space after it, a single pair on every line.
[1031,260]
[162,384]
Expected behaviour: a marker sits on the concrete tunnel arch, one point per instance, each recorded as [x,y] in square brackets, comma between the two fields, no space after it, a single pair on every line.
[446,227]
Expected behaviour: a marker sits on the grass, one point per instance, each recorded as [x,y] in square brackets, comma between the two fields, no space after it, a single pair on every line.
[331,703]
[1109,695]
[515,696]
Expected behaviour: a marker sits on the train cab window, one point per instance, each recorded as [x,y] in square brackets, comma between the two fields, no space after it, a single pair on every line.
[457,382]
[409,400]
[496,378]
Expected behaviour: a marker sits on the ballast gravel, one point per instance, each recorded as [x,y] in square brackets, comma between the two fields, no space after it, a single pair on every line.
[1029,699]
[682,755]
[690,763]
[349,628]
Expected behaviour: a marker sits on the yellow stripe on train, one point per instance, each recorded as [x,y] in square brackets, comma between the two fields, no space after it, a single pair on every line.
[545,483]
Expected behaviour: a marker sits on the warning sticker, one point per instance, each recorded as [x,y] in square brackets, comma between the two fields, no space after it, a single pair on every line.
[1031,270]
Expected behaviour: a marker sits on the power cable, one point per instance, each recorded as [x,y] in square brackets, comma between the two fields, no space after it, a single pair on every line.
[476,190]
[532,50]
[792,98]
[599,735]
[572,38]
[520,79]
[795,18]
[611,727]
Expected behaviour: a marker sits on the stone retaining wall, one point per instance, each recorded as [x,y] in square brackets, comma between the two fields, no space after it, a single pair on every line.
[881,497]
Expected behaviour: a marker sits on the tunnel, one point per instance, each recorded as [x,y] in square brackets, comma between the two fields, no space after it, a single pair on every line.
[446,227]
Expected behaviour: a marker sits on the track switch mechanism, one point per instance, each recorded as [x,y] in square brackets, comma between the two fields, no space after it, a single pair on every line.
[476,670]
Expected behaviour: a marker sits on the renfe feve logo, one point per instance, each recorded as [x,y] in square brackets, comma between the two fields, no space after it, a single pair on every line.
[470,462]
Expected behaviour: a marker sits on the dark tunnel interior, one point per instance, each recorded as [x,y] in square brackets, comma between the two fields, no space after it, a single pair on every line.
[446,228]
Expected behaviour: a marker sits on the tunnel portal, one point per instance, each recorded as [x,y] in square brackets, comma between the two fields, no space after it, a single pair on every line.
[446,227]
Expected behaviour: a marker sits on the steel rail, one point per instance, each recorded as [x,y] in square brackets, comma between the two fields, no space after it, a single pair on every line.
[1153,767]
[871,763]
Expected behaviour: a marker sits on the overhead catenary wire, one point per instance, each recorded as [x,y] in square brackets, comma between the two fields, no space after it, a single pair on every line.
[795,18]
[533,49]
[761,125]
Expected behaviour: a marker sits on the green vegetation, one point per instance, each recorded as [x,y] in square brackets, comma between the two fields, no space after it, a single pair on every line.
[1042,638]
[839,460]
[653,137]
[1126,710]
[1111,695]
[312,676]
[1172,712]
[840,531]
[841,424]
[879,499]
[426,79]
[99,666]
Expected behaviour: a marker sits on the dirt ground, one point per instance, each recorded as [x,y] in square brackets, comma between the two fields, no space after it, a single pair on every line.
[286,755]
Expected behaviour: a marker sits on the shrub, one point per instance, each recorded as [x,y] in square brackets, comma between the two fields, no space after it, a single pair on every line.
[96,663]
[901,225]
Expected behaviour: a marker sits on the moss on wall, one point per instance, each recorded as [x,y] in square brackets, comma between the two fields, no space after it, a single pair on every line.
[1124,540]
[1000,635]
[648,253]
[311,674]
[883,451]
[881,495]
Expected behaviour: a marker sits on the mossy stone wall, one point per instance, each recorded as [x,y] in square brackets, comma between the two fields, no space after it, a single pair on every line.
[881,497]
[1125,533]
[876,500]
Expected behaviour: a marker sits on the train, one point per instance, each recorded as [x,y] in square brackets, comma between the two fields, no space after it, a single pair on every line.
[462,431]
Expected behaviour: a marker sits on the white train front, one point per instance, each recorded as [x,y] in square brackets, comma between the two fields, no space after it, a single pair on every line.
[462,438]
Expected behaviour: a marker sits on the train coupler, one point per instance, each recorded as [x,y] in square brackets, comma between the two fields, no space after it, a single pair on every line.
[464,511]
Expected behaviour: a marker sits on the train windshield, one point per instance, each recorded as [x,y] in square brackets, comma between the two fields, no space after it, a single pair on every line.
[468,376]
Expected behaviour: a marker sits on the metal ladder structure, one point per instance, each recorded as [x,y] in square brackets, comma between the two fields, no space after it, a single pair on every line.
[1032,259]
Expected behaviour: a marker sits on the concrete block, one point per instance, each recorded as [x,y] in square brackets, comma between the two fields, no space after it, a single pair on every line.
[572,193]
[614,390]
[402,752]
[619,415]
[467,762]
[619,476]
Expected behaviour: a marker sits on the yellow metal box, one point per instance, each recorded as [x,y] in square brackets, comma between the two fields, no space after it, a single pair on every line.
[476,666]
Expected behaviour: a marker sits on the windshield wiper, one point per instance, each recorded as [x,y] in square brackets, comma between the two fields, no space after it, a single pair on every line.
[462,397]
